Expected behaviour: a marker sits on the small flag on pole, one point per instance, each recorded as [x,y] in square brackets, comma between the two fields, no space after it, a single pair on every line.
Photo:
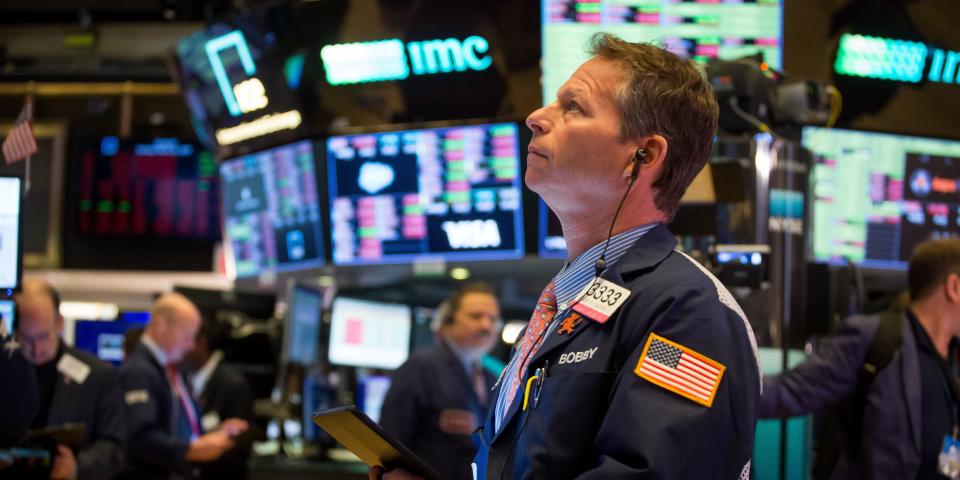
[20,142]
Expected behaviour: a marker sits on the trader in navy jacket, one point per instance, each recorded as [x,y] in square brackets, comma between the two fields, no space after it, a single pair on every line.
[166,437]
[636,363]
[895,427]
[440,395]
[74,387]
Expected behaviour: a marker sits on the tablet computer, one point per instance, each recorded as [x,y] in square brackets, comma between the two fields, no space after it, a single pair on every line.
[362,436]
[69,434]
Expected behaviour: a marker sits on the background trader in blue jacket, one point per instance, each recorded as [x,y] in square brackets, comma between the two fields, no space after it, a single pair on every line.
[894,408]
[166,437]
[440,395]
[636,362]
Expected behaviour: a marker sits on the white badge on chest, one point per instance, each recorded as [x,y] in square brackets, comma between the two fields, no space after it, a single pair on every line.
[72,368]
[599,299]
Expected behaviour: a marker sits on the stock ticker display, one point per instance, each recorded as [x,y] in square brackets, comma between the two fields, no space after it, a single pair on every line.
[162,188]
[271,210]
[876,196]
[699,29]
[452,193]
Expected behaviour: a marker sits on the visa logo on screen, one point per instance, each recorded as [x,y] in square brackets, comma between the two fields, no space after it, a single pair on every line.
[472,234]
[385,60]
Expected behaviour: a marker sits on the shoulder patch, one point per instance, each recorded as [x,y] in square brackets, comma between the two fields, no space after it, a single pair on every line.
[680,369]
[133,397]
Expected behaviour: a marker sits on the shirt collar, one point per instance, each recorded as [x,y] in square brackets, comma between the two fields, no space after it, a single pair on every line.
[466,360]
[158,354]
[199,379]
[575,275]
[924,342]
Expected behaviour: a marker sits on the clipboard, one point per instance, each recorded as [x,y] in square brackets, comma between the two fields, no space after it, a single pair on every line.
[362,436]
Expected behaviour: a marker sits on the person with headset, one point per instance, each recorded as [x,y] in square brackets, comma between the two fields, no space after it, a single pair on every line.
[440,395]
[636,363]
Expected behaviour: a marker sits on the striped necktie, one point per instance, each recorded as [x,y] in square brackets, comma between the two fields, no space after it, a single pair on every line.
[542,316]
[173,376]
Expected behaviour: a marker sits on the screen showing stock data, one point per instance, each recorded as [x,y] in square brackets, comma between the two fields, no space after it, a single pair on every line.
[271,210]
[158,188]
[876,196]
[451,193]
[700,29]
[369,334]
[11,235]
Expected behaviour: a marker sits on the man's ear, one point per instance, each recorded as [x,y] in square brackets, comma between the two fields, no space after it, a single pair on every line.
[648,157]
[952,287]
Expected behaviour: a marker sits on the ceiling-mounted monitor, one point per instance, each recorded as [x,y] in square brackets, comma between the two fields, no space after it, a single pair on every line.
[271,210]
[148,189]
[876,196]
[724,29]
[451,193]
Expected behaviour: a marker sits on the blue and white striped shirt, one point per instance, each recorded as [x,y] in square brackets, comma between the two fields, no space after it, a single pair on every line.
[574,277]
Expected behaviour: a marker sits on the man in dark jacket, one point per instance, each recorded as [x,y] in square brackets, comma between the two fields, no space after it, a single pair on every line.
[166,437]
[74,387]
[636,362]
[897,427]
[220,392]
[440,395]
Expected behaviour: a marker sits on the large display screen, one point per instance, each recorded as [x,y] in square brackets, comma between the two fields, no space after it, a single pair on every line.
[271,210]
[161,188]
[103,339]
[700,29]
[876,196]
[302,335]
[369,334]
[449,192]
[10,235]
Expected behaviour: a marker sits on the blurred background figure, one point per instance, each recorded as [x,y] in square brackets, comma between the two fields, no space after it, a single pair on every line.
[74,387]
[440,395]
[17,407]
[886,383]
[220,392]
[166,437]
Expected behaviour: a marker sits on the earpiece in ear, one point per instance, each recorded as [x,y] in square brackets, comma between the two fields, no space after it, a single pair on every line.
[639,157]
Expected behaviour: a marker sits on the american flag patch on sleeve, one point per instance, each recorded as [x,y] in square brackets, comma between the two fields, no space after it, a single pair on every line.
[679,369]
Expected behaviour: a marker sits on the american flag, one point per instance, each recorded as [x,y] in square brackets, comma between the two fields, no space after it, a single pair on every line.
[20,142]
[680,370]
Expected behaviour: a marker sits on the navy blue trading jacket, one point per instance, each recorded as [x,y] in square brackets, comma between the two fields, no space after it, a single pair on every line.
[96,403]
[153,450]
[596,418]
[890,438]
[427,395]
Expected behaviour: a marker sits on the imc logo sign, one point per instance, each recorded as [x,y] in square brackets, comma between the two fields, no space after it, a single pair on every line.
[386,60]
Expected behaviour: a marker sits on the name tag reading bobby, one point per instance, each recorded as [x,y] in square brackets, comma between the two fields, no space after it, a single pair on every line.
[598,300]
[73,368]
